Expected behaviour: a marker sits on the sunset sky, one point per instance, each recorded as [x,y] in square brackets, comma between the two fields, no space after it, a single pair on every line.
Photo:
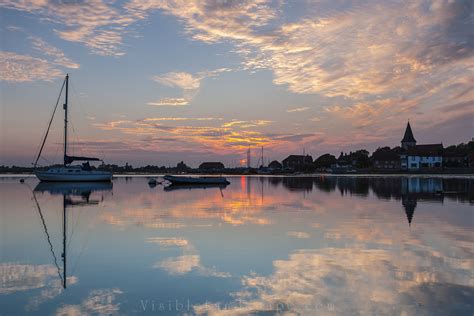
[157,82]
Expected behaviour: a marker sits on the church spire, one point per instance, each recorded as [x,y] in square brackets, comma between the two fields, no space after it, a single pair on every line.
[409,204]
[408,139]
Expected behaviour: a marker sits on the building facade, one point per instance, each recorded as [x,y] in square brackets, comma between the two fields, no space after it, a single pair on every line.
[425,159]
[419,157]
[387,160]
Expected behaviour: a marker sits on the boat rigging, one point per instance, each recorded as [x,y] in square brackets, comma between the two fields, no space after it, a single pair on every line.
[67,172]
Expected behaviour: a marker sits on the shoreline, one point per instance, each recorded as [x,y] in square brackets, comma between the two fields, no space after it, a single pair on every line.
[305,175]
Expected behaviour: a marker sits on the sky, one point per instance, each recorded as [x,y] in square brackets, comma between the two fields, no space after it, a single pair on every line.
[157,82]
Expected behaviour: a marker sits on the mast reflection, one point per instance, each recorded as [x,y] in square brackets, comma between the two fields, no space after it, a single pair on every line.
[75,194]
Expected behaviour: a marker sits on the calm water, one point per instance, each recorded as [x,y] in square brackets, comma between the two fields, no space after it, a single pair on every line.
[323,245]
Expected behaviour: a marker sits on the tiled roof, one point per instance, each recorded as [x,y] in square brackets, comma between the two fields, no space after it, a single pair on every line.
[426,150]
[386,155]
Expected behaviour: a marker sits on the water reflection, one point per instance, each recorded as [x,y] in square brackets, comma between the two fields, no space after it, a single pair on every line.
[69,191]
[312,245]
[73,190]
[409,190]
[73,194]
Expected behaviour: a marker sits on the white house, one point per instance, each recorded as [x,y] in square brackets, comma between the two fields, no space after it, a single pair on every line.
[415,157]
[429,156]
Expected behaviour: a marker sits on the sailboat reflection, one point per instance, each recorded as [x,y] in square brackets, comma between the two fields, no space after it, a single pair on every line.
[75,194]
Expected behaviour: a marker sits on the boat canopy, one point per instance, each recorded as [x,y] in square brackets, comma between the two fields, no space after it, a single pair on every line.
[69,159]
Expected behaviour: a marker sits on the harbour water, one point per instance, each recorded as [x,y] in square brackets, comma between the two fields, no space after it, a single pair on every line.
[263,245]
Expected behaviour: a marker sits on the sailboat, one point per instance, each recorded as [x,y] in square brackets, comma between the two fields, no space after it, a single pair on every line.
[67,172]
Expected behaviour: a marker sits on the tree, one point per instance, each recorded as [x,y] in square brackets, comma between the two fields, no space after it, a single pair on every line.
[181,166]
[361,158]
[325,161]
[275,165]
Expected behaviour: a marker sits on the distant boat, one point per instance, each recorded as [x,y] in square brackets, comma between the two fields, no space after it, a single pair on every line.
[66,172]
[196,180]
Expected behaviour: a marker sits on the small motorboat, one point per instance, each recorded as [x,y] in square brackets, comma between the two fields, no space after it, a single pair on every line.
[180,180]
[174,187]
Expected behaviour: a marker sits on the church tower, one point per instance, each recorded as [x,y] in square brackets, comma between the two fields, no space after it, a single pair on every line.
[408,139]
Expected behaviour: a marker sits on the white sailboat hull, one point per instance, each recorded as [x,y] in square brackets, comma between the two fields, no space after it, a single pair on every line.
[73,174]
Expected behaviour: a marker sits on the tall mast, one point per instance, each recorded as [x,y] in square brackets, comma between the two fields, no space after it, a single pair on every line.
[248,158]
[65,118]
[64,242]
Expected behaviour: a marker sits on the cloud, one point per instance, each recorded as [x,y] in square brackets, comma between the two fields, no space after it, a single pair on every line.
[246,124]
[346,54]
[188,83]
[170,102]
[14,28]
[24,68]
[168,242]
[187,262]
[98,302]
[159,119]
[298,235]
[211,21]
[370,78]
[179,265]
[302,109]
[460,106]
[51,290]
[182,80]
[310,282]
[22,277]
[58,56]
[96,23]
[218,135]
[15,277]
[293,137]
[422,59]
